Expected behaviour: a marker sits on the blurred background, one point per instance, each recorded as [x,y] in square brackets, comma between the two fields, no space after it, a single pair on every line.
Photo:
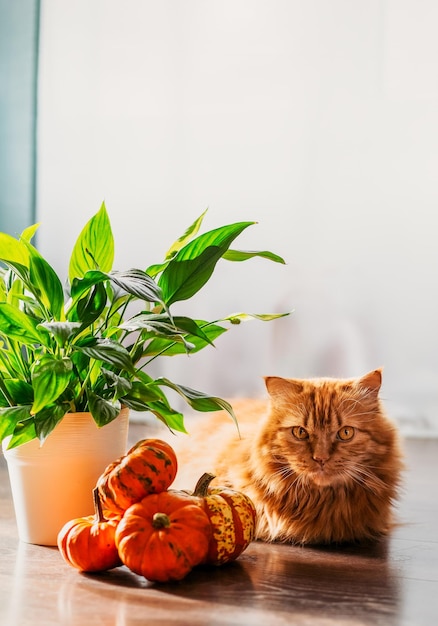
[317,119]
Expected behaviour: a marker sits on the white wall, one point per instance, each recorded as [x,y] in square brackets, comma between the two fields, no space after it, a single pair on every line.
[317,118]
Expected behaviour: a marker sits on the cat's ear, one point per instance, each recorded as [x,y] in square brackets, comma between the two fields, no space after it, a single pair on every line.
[277,386]
[371,381]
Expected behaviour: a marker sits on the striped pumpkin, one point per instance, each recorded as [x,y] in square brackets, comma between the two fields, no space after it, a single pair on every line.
[232,516]
[148,467]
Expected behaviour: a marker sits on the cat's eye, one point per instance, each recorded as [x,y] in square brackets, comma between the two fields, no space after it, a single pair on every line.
[346,433]
[300,433]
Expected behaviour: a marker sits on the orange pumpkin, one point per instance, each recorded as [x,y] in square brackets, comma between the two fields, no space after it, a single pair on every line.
[148,467]
[164,536]
[233,519]
[88,543]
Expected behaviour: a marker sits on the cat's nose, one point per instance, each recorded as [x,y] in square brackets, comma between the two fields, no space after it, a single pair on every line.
[320,459]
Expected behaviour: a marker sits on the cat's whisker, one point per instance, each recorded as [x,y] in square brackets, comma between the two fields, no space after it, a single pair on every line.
[352,412]
[348,399]
[365,477]
[284,472]
[370,412]
[292,480]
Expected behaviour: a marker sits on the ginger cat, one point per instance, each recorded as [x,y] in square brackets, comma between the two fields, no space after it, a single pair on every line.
[321,461]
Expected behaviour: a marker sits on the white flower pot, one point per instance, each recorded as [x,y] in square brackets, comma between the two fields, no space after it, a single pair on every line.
[53,483]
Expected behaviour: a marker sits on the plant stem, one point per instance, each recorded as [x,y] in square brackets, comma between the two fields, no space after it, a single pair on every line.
[84,382]
[100,517]
[112,311]
[201,489]
[160,520]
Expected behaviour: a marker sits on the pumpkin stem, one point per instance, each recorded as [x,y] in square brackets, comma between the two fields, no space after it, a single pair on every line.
[160,520]
[100,517]
[201,489]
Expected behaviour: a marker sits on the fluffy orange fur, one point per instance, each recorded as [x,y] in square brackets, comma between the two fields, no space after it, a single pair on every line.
[321,460]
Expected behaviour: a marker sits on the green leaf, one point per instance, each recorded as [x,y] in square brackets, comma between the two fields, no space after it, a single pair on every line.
[94,248]
[197,399]
[186,237]
[134,282]
[18,326]
[12,251]
[241,255]
[192,328]
[120,384]
[81,364]
[139,284]
[62,331]
[50,377]
[44,283]
[89,308]
[19,272]
[157,268]
[13,361]
[29,232]
[160,324]
[3,289]
[20,391]
[146,379]
[79,286]
[161,408]
[14,292]
[47,419]
[168,347]
[193,265]
[154,270]
[140,395]
[24,431]
[237,318]
[103,411]
[10,417]
[107,351]
[174,420]
[4,402]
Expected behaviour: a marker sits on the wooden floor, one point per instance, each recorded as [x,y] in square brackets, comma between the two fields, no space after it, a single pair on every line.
[395,583]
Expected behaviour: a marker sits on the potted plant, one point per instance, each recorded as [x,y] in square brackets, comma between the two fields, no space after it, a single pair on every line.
[76,357]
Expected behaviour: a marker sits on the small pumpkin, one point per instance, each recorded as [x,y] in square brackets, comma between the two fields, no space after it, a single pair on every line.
[88,543]
[148,467]
[164,536]
[232,515]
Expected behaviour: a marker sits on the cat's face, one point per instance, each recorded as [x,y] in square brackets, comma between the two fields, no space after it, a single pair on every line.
[326,431]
